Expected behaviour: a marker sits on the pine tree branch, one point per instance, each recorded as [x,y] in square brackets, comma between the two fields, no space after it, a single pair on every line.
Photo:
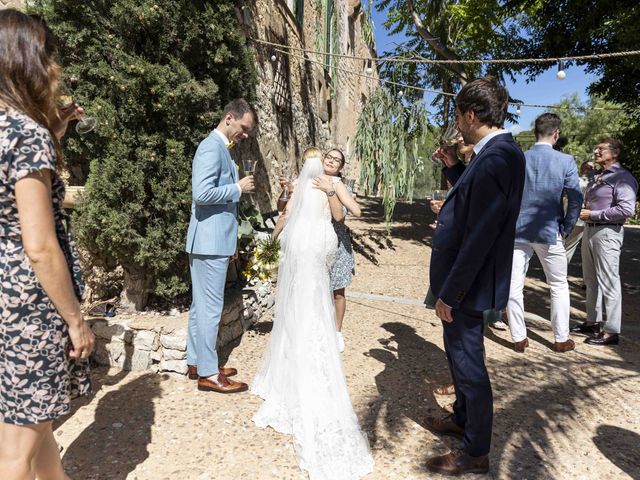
[440,48]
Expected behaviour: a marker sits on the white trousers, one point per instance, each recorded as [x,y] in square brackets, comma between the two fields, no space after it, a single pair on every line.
[554,262]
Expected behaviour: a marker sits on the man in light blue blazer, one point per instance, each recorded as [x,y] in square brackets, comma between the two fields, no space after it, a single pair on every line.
[211,242]
[542,226]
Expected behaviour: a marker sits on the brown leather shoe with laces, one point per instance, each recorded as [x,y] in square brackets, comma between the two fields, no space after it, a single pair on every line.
[444,426]
[221,385]
[192,371]
[458,462]
[562,347]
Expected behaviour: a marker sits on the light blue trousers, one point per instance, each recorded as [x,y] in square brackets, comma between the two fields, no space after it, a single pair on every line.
[208,276]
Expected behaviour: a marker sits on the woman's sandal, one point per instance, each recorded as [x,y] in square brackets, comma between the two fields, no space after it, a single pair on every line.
[446,389]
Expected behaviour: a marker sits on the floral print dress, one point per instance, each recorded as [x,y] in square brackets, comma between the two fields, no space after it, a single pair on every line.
[37,377]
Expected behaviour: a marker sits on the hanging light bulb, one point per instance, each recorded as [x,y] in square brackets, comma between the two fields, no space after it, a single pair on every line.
[273,57]
[518,111]
[561,75]
[400,93]
[369,70]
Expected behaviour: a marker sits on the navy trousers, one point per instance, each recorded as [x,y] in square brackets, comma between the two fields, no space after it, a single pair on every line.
[473,408]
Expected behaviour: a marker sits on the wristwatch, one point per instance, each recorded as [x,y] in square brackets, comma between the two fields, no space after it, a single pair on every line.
[331,193]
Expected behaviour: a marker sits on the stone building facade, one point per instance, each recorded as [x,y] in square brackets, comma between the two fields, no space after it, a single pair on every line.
[306,99]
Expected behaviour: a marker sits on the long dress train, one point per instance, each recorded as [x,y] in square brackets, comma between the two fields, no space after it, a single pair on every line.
[301,377]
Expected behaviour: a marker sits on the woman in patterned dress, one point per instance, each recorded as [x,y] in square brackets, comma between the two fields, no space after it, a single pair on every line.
[341,204]
[44,342]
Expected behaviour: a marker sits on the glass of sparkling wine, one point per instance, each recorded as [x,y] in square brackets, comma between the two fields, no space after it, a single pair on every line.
[448,138]
[64,100]
[248,166]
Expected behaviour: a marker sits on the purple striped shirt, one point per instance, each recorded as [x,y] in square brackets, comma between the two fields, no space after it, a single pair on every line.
[611,195]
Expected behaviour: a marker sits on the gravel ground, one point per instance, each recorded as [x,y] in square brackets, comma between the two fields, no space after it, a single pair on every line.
[557,416]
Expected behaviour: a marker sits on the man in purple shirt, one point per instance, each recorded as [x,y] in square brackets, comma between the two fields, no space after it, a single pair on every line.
[609,200]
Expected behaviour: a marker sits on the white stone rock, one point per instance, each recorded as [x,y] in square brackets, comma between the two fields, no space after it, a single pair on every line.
[169,354]
[178,366]
[140,360]
[176,340]
[145,340]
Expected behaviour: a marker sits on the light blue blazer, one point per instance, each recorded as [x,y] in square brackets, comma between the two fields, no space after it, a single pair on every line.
[549,174]
[213,228]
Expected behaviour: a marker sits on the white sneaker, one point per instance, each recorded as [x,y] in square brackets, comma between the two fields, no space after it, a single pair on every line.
[340,342]
[499,325]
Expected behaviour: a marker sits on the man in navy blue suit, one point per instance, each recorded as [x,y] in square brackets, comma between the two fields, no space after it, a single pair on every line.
[471,260]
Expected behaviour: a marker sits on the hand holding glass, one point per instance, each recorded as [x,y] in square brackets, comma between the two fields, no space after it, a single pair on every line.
[64,100]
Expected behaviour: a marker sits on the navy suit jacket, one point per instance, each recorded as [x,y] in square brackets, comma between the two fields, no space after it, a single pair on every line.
[472,246]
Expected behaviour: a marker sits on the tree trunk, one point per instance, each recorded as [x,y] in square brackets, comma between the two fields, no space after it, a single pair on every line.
[135,293]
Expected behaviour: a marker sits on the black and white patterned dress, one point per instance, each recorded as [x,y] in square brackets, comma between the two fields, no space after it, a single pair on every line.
[345,263]
[37,378]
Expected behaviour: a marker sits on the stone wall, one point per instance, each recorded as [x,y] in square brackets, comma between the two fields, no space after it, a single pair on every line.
[298,102]
[159,342]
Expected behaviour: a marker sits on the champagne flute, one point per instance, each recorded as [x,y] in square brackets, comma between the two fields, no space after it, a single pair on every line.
[448,138]
[439,195]
[64,100]
[249,166]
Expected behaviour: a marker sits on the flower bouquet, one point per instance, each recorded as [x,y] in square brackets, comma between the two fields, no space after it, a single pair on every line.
[263,263]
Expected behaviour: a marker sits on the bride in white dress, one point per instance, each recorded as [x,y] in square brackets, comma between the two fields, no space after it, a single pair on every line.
[301,377]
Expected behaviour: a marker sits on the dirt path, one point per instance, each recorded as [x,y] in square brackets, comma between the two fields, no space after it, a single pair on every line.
[557,416]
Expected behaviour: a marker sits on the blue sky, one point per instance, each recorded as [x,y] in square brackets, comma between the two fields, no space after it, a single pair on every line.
[544,90]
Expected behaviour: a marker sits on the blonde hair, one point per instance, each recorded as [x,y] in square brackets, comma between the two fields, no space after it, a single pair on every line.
[310,153]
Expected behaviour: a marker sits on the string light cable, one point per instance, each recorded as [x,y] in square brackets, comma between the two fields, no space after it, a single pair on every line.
[417,88]
[420,59]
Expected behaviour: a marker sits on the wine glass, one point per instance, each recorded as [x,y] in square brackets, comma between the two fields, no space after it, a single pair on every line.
[439,195]
[448,137]
[64,100]
[248,166]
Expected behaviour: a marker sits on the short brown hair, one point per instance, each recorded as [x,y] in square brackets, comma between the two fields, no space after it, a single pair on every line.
[487,98]
[546,124]
[615,145]
[238,108]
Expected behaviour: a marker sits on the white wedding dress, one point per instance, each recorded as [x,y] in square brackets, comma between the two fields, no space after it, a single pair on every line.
[301,377]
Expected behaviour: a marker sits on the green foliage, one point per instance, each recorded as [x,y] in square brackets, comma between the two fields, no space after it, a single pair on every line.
[466,29]
[570,28]
[583,128]
[156,75]
[387,140]
[368,27]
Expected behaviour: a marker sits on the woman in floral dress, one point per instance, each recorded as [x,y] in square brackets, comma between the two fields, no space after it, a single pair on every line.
[44,342]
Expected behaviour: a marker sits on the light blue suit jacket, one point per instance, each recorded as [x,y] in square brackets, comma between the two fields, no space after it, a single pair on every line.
[213,228]
[549,174]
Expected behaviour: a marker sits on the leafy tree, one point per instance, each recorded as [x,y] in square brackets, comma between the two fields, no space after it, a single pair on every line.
[387,139]
[156,75]
[572,28]
[583,124]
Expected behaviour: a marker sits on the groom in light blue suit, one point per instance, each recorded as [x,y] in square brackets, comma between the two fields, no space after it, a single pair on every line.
[211,242]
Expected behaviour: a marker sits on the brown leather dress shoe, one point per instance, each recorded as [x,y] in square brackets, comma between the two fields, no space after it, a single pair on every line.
[458,462]
[192,371]
[221,385]
[444,426]
[521,345]
[228,371]
[562,347]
